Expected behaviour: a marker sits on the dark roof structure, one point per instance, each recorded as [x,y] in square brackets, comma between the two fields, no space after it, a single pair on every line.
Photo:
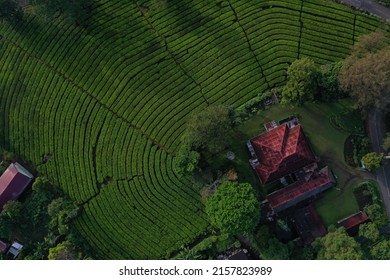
[3,246]
[281,151]
[239,255]
[308,224]
[13,182]
[351,223]
[301,190]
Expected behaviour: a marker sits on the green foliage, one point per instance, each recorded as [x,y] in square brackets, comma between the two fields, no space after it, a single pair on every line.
[381,251]
[233,208]
[275,250]
[386,141]
[64,251]
[5,225]
[376,213]
[301,83]
[328,83]
[61,212]
[12,209]
[337,245]
[369,231]
[372,161]
[364,73]
[186,161]
[209,130]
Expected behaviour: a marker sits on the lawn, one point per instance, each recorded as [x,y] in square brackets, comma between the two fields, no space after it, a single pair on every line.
[327,142]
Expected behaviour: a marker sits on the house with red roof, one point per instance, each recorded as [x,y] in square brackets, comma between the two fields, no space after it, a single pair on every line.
[13,182]
[284,153]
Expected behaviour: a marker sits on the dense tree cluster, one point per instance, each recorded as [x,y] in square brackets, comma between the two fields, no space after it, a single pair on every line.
[41,221]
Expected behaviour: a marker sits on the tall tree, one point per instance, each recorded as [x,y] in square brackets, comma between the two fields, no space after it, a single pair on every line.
[233,208]
[301,83]
[337,245]
[209,130]
[364,74]
[328,83]
[369,231]
[186,161]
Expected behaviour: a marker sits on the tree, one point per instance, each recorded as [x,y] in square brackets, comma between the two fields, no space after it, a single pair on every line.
[337,245]
[301,83]
[209,130]
[328,83]
[386,141]
[376,214]
[61,212]
[64,251]
[12,209]
[275,250]
[233,208]
[372,161]
[369,43]
[381,251]
[10,10]
[369,231]
[364,74]
[186,161]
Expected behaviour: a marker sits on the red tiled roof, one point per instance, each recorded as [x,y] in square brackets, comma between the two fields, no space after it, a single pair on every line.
[3,246]
[353,220]
[13,182]
[280,152]
[298,190]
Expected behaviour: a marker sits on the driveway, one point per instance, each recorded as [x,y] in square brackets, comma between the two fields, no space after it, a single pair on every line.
[376,133]
[369,6]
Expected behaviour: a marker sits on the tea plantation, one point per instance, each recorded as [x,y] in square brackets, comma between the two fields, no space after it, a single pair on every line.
[100,109]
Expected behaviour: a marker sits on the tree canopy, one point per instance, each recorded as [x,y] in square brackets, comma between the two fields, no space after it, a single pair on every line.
[186,161]
[233,208]
[364,74]
[372,161]
[369,231]
[337,245]
[381,251]
[301,83]
[209,130]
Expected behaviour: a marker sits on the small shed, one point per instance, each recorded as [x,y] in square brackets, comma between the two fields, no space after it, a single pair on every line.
[15,249]
[351,223]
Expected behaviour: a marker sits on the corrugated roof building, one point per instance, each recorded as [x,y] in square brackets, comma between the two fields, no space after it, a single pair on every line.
[13,182]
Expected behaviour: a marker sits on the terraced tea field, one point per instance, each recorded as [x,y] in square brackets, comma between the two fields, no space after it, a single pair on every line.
[109,102]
